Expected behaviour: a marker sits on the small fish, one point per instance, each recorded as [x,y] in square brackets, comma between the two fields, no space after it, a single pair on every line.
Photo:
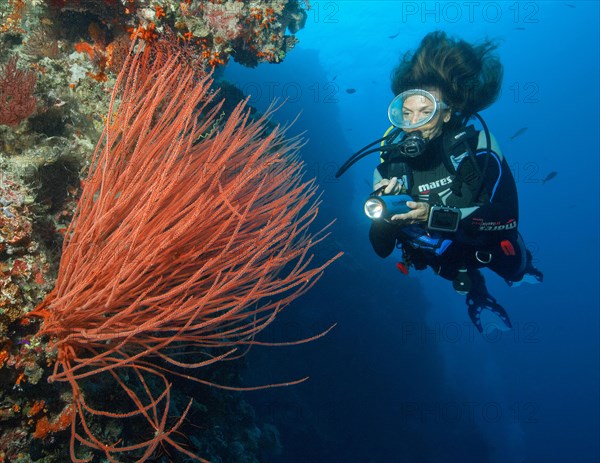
[334,77]
[350,90]
[550,176]
[393,36]
[519,28]
[521,131]
[570,5]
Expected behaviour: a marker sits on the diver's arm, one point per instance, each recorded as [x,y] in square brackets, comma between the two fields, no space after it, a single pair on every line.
[382,234]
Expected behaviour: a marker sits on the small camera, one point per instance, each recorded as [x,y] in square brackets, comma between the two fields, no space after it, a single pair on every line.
[385,206]
[444,219]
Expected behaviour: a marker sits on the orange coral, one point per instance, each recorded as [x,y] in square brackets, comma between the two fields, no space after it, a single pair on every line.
[147,34]
[3,357]
[44,427]
[84,47]
[36,408]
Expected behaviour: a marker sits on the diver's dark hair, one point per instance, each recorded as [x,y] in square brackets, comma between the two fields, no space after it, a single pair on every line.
[469,76]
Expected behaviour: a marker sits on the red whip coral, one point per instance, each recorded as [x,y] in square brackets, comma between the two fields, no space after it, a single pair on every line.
[190,233]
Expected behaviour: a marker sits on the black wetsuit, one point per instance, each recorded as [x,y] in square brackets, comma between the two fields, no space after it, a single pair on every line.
[487,235]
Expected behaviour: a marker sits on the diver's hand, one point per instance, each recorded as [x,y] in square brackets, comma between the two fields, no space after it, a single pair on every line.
[392,186]
[418,214]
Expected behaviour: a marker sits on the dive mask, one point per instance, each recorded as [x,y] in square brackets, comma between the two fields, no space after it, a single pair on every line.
[414,108]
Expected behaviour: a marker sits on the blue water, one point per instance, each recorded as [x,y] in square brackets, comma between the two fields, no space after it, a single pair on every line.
[404,377]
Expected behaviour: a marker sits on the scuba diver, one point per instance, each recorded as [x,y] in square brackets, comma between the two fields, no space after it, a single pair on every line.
[444,193]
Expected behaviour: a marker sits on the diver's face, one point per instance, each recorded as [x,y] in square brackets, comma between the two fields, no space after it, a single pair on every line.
[418,107]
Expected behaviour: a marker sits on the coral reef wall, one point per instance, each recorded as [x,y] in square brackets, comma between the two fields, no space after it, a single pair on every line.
[58,64]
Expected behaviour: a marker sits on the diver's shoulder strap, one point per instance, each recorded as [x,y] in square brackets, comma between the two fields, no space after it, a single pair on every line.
[460,147]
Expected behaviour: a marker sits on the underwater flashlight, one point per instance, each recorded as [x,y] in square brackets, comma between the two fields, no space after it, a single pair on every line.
[383,207]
